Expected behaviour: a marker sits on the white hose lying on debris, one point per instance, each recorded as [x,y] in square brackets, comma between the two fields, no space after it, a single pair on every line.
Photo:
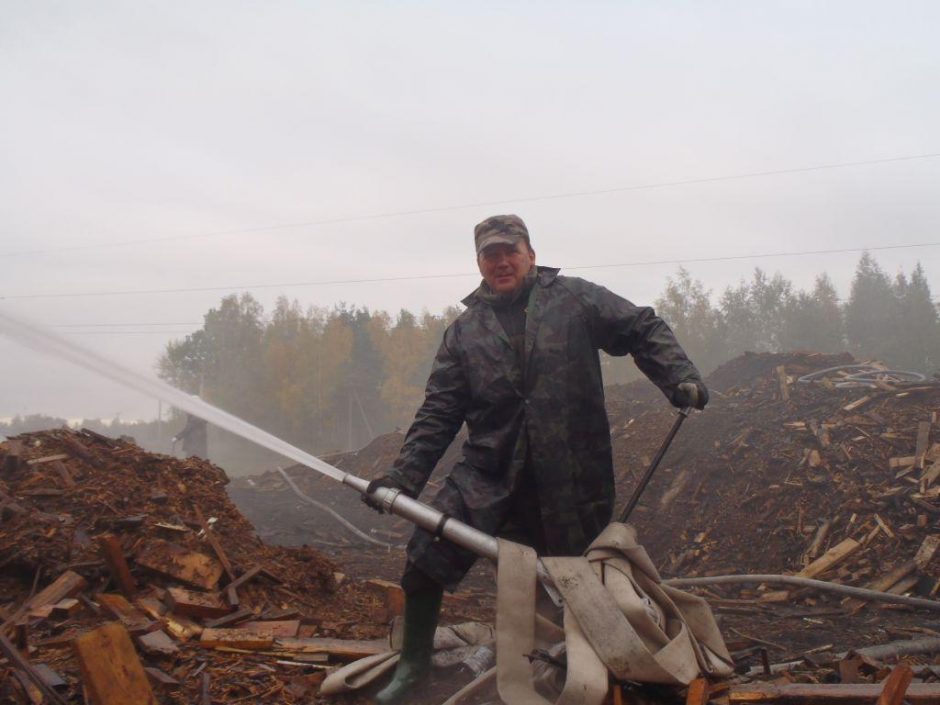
[860,593]
[865,376]
[342,520]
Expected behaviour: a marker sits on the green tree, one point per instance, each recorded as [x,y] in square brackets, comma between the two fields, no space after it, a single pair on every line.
[918,328]
[686,306]
[871,313]
[813,320]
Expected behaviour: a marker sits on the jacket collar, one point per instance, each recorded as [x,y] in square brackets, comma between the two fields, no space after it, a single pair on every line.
[546,276]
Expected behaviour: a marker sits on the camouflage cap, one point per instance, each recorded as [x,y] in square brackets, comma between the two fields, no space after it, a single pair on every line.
[500,229]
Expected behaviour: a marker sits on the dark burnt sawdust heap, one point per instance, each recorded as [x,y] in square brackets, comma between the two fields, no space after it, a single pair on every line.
[777,472]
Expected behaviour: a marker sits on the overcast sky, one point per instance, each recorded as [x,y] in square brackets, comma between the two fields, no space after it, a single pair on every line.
[166,145]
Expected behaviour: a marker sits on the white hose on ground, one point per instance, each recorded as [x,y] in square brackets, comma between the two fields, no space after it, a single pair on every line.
[342,520]
[860,593]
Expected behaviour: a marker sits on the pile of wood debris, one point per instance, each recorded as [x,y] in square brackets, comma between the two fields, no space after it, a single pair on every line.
[777,476]
[132,578]
[780,473]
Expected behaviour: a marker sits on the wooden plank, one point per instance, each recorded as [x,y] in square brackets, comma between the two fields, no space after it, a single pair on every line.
[152,606]
[885,526]
[697,693]
[48,459]
[926,551]
[347,649]
[393,598]
[30,688]
[822,533]
[157,644]
[118,607]
[230,619]
[282,628]
[782,381]
[921,444]
[886,581]
[216,546]
[857,404]
[176,562]
[930,475]
[830,558]
[113,554]
[245,577]
[821,694]
[183,628]
[196,604]
[896,685]
[63,609]
[251,640]
[111,671]
[161,678]
[901,462]
[13,460]
[64,474]
[69,584]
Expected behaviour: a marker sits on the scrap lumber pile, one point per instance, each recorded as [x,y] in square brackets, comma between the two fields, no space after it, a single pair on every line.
[781,476]
[131,577]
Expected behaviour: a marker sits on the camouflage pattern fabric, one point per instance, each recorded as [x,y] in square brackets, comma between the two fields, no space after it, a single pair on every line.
[544,433]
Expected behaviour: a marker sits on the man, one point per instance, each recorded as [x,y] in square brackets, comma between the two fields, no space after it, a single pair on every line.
[195,437]
[520,366]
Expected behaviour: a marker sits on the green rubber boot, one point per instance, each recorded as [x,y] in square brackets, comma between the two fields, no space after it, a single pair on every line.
[421,612]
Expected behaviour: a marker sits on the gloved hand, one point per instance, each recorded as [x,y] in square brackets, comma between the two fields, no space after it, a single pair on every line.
[693,393]
[383,481]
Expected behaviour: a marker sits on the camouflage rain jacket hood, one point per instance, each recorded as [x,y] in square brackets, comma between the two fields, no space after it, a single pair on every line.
[549,421]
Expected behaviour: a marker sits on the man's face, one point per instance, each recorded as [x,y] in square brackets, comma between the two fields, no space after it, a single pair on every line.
[504,266]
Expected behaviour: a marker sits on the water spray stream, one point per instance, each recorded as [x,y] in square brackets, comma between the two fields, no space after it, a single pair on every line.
[45,341]
[393,501]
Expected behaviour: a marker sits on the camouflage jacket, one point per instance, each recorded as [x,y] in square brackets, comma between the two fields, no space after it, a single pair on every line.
[554,416]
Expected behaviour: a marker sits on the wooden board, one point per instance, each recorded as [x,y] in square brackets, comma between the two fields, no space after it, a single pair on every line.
[157,644]
[252,640]
[113,554]
[176,562]
[279,628]
[348,649]
[896,685]
[111,671]
[854,604]
[69,584]
[921,444]
[697,693]
[196,604]
[828,694]
[926,551]
[48,459]
[830,558]
[183,628]
[119,608]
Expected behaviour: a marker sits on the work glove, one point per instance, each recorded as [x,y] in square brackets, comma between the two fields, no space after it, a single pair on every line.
[384,481]
[692,393]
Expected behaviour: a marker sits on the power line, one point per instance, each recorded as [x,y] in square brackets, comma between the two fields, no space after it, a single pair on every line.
[419,277]
[128,332]
[480,204]
[120,325]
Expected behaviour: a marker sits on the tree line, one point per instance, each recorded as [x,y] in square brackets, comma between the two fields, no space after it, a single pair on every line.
[894,320]
[332,379]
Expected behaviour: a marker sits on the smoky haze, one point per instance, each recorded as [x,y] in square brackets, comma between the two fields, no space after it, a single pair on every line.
[341,153]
